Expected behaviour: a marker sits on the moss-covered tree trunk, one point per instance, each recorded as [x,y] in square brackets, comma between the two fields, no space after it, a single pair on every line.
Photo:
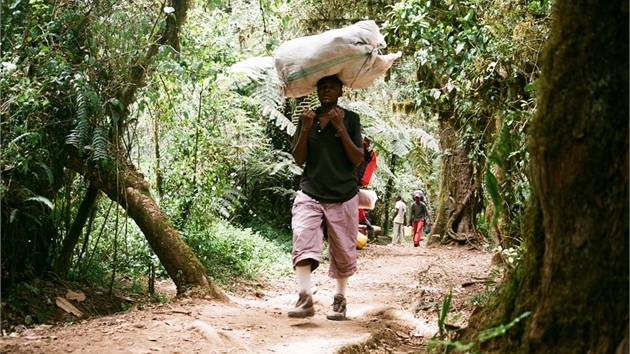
[499,230]
[389,199]
[125,186]
[574,278]
[458,201]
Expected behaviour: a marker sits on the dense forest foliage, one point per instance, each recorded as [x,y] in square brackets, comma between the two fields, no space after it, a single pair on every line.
[138,136]
[179,103]
[191,107]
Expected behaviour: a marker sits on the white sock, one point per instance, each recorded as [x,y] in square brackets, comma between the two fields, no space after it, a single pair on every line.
[341,286]
[303,274]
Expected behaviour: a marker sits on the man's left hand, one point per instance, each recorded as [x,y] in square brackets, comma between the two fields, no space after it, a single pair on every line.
[336,117]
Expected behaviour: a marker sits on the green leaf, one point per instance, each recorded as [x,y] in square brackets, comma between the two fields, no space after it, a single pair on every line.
[459,48]
[42,200]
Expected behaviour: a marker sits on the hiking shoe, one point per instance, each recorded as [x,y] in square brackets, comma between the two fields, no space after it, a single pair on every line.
[338,310]
[303,307]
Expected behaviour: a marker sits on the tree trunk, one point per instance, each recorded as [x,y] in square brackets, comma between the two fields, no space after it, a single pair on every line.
[389,203]
[159,177]
[499,230]
[72,238]
[131,191]
[126,187]
[574,278]
[459,199]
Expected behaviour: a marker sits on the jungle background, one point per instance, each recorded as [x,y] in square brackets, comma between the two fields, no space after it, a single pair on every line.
[144,142]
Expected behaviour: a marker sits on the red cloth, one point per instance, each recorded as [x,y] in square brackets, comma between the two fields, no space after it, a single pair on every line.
[362,217]
[417,231]
[367,167]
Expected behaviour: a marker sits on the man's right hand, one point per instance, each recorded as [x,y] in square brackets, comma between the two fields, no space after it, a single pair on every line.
[307,118]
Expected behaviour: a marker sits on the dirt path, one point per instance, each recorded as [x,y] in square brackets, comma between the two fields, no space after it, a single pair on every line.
[391,309]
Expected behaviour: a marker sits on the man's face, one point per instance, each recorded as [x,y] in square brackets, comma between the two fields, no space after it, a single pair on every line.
[328,92]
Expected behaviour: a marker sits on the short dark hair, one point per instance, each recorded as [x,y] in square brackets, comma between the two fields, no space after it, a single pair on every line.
[330,78]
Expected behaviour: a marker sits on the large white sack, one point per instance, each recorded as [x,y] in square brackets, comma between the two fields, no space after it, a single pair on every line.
[352,53]
[367,199]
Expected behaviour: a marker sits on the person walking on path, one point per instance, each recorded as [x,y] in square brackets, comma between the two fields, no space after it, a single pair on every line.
[364,220]
[399,220]
[417,217]
[328,142]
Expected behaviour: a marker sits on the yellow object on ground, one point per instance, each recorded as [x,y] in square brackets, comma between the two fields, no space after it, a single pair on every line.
[361,240]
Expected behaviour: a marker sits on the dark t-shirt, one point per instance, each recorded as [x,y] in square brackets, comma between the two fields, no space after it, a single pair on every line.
[329,176]
[419,211]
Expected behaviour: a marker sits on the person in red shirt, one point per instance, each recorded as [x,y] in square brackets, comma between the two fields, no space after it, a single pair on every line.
[363,220]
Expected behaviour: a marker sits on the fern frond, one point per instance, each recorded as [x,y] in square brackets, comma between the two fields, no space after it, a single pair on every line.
[284,162]
[41,199]
[267,92]
[280,166]
[425,139]
[492,187]
[48,171]
[225,204]
[279,119]
[260,73]
[283,192]
[401,142]
[99,145]
[363,109]
[78,137]
[13,142]
[499,154]
[308,102]
[256,69]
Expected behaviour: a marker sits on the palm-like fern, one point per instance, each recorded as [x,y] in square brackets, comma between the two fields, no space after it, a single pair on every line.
[99,145]
[308,102]
[78,137]
[502,150]
[260,73]
[425,139]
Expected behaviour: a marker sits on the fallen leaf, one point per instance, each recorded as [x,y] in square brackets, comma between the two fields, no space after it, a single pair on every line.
[66,306]
[75,295]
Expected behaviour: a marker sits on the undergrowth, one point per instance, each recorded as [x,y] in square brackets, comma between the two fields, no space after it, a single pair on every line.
[230,252]
[232,257]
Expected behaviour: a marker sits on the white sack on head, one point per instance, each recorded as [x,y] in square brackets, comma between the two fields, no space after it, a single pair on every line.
[352,53]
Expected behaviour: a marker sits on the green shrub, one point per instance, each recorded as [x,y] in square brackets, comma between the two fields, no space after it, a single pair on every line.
[229,252]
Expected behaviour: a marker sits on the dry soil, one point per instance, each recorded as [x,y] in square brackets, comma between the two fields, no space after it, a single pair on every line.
[392,308]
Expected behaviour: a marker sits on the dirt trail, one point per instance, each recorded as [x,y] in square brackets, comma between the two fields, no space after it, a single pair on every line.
[391,309]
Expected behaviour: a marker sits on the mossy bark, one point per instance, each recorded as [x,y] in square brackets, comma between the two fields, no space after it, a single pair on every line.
[459,200]
[499,230]
[124,185]
[574,277]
